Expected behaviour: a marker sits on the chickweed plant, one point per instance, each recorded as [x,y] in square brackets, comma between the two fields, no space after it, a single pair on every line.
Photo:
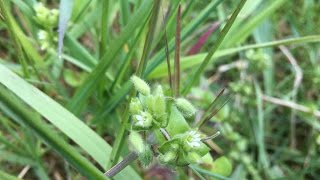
[106,89]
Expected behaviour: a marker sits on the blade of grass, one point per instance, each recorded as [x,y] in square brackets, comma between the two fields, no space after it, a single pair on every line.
[159,57]
[176,72]
[259,130]
[208,173]
[215,47]
[78,101]
[65,11]
[6,176]
[246,29]
[156,60]
[124,67]
[65,121]
[15,107]
[119,141]
[104,27]
[190,61]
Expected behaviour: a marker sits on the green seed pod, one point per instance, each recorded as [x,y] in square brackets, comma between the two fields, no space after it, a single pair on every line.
[137,142]
[142,121]
[185,107]
[146,156]
[135,106]
[140,85]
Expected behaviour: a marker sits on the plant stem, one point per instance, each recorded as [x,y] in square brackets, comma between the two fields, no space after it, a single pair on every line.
[121,165]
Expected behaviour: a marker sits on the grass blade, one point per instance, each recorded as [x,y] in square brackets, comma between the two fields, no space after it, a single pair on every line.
[74,128]
[177,55]
[215,47]
[15,107]
[65,11]
[86,90]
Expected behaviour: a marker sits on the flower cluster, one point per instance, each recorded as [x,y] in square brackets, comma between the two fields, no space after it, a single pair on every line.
[45,17]
[149,111]
[47,20]
[183,149]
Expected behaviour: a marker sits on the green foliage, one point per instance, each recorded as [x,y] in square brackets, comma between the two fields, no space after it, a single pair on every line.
[57,114]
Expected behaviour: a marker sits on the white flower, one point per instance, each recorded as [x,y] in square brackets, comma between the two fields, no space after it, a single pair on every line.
[144,119]
[193,139]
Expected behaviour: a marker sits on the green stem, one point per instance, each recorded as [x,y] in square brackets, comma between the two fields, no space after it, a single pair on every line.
[104,27]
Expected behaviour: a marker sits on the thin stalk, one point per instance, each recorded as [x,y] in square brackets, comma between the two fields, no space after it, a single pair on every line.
[104,27]
[119,141]
[177,55]
[215,47]
[121,165]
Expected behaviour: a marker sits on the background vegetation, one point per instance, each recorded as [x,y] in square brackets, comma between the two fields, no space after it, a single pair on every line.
[61,106]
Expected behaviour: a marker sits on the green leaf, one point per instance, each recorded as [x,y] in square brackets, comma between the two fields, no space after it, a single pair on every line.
[222,166]
[6,176]
[65,121]
[177,124]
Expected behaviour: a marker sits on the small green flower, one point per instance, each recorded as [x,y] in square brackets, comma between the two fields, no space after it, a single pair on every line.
[142,121]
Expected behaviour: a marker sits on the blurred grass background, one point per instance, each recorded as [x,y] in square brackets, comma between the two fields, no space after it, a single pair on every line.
[269,61]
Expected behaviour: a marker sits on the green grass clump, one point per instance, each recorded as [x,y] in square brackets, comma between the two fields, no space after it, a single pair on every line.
[66,88]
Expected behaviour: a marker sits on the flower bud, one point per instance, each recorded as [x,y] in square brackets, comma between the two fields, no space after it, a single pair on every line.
[136,141]
[159,104]
[140,85]
[185,107]
[146,156]
[135,106]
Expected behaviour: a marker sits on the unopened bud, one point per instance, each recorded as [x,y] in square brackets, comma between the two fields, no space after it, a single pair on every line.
[185,107]
[140,85]
[136,141]
[146,156]
[135,106]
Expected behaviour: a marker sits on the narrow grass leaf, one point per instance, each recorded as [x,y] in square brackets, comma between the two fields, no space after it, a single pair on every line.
[86,90]
[65,11]
[215,47]
[22,113]
[74,128]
